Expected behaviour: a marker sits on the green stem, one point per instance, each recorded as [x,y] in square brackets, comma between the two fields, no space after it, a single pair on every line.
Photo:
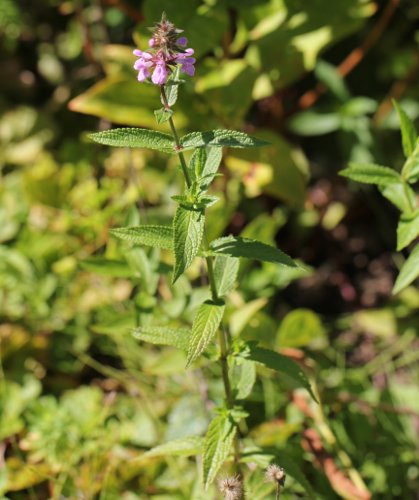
[211,278]
[278,491]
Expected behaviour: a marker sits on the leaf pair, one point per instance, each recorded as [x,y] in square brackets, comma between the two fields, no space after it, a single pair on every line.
[151,139]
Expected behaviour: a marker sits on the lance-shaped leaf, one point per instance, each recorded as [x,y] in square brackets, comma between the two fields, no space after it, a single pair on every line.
[409,271]
[370,173]
[163,335]
[251,249]
[217,445]
[182,447]
[188,229]
[220,138]
[135,138]
[279,363]
[247,378]
[152,236]
[205,326]
[225,273]
[410,170]
[409,135]
[408,229]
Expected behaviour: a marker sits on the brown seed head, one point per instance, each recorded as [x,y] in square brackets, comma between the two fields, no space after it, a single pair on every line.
[275,474]
[231,488]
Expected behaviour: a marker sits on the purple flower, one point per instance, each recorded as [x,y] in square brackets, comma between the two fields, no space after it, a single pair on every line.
[160,73]
[187,62]
[143,64]
[165,53]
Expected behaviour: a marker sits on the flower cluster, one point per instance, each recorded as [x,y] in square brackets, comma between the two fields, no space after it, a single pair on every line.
[167,50]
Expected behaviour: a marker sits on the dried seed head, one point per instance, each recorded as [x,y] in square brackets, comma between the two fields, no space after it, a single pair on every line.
[165,35]
[231,488]
[275,474]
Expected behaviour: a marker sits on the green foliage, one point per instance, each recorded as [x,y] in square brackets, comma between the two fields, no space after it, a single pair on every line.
[153,236]
[94,338]
[220,138]
[251,249]
[225,273]
[217,446]
[205,325]
[279,363]
[409,271]
[182,447]
[135,138]
[162,335]
[371,174]
[188,230]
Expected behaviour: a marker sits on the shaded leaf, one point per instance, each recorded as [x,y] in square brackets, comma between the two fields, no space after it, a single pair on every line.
[188,229]
[407,229]
[225,273]
[247,379]
[401,196]
[251,249]
[205,325]
[369,173]
[135,138]
[163,335]
[162,115]
[409,271]
[153,236]
[409,135]
[217,445]
[279,363]
[410,170]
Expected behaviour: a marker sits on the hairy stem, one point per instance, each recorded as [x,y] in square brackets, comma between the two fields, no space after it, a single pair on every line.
[222,337]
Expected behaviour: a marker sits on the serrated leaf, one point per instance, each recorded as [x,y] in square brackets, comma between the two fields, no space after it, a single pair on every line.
[410,170]
[163,335]
[153,236]
[247,379]
[182,447]
[171,88]
[279,363]
[220,138]
[188,229]
[217,445]
[409,271]
[162,115]
[408,131]
[197,162]
[370,173]
[225,273]
[407,229]
[210,166]
[135,138]
[205,326]
[251,249]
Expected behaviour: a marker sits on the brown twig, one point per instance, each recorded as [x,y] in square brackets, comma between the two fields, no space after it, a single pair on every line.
[396,92]
[355,57]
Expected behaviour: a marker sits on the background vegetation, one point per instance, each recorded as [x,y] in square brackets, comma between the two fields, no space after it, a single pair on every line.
[81,399]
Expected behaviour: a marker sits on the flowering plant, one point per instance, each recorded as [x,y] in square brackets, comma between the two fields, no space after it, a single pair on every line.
[186,238]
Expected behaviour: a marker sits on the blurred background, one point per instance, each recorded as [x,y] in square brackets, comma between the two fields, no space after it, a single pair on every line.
[79,396]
